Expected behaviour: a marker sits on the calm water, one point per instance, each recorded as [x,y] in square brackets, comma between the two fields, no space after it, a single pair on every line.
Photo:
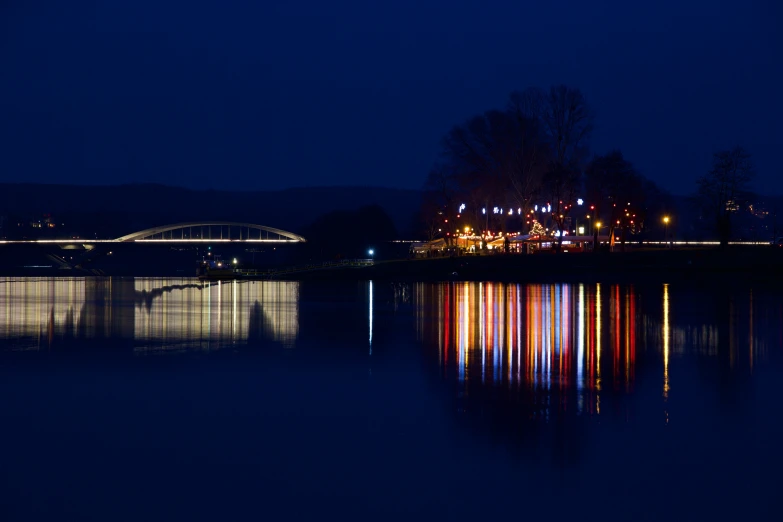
[155,399]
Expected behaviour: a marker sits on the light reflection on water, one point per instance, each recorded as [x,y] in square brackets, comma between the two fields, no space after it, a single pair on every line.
[39,313]
[577,337]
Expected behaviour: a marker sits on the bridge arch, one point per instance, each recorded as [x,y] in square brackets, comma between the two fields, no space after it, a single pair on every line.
[214,231]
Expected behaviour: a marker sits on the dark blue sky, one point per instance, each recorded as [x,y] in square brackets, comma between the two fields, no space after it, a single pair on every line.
[264,94]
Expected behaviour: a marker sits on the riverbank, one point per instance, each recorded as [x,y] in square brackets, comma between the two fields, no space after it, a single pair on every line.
[741,263]
[703,265]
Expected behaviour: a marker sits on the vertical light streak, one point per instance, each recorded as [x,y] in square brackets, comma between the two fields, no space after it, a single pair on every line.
[369,314]
[219,308]
[750,332]
[519,334]
[446,323]
[496,353]
[580,339]
[510,330]
[553,340]
[627,336]
[234,311]
[598,337]
[665,341]
[465,325]
[482,331]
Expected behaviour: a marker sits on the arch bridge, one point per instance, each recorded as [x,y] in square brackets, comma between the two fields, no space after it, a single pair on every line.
[213,231]
[195,232]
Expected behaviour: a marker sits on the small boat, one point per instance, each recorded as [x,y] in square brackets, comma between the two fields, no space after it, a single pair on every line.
[215,270]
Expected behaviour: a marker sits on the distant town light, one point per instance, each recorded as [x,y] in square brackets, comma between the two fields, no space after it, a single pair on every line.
[581,231]
[483,211]
[535,208]
[461,208]
[579,201]
[549,208]
[235,261]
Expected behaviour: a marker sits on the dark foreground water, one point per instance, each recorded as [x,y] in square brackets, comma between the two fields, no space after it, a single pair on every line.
[153,399]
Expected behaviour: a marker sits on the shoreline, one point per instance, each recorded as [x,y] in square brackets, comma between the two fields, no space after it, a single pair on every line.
[697,265]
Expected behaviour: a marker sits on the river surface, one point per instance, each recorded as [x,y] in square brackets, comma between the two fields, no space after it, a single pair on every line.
[157,399]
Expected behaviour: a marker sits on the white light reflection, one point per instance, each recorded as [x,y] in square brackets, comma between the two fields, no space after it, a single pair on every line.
[370,317]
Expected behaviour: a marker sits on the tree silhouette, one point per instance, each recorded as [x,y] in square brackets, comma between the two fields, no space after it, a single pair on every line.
[724,186]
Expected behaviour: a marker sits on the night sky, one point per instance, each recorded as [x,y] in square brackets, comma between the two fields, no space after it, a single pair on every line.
[263,94]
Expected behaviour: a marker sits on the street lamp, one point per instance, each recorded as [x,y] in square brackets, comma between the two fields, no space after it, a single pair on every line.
[371,252]
[666,229]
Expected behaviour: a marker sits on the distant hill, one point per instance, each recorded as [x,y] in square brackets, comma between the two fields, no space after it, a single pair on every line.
[110,211]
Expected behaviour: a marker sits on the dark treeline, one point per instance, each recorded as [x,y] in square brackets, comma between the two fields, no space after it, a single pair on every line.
[349,234]
[528,167]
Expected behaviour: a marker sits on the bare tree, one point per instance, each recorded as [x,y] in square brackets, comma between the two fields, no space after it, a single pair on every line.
[561,186]
[722,188]
[568,121]
[611,183]
[478,152]
[528,151]
[438,204]
[505,159]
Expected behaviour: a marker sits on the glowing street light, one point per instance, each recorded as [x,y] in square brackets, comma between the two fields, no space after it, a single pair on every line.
[579,201]
[666,229]
[235,261]
[371,252]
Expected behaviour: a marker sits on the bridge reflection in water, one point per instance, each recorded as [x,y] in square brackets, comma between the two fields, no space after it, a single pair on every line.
[147,314]
[578,340]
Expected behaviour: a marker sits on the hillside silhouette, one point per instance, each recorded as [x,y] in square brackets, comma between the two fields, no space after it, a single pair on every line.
[111,211]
